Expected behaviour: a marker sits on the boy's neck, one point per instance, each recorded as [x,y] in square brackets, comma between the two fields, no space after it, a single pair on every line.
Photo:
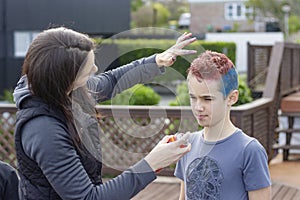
[219,132]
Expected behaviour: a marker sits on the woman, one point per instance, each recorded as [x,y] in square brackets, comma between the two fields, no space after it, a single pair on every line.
[57,135]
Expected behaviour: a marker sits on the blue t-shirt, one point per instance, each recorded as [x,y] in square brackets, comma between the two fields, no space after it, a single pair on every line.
[225,169]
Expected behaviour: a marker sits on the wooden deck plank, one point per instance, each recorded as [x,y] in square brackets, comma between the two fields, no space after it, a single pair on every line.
[291,193]
[159,191]
[170,191]
[281,194]
[173,192]
[297,195]
[275,189]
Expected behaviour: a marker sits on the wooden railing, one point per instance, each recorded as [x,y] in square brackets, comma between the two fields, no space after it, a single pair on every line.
[130,132]
[7,124]
[258,62]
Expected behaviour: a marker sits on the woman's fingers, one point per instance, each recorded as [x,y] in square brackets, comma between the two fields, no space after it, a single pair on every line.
[168,57]
[183,139]
[183,37]
[165,139]
[183,52]
[184,43]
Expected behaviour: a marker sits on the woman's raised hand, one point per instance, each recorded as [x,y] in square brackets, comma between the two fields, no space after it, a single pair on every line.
[168,57]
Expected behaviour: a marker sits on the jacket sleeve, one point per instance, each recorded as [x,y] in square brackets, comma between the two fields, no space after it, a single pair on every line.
[55,154]
[106,85]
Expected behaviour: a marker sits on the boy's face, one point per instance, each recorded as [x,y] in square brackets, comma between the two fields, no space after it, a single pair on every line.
[207,101]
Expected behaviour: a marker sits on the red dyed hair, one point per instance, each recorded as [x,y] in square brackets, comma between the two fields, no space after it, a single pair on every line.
[210,65]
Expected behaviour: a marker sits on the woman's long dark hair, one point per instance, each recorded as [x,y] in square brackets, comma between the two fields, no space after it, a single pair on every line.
[52,63]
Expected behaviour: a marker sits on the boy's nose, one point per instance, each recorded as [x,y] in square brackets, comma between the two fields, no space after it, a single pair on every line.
[199,106]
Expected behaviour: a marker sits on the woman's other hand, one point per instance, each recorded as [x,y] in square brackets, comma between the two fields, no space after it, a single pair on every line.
[168,57]
[164,153]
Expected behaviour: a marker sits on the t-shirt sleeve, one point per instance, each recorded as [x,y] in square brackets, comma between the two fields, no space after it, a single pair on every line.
[256,172]
[180,165]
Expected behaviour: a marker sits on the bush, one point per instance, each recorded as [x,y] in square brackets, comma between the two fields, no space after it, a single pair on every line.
[7,96]
[183,98]
[294,24]
[136,95]
[245,94]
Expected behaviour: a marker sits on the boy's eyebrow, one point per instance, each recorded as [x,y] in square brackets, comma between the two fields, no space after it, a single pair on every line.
[202,96]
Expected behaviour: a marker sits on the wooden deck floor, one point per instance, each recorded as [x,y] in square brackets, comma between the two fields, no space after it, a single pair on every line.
[164,189]
[283,192]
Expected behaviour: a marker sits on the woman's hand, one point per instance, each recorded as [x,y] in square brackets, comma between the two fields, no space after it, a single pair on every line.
[164,153]
[168,57]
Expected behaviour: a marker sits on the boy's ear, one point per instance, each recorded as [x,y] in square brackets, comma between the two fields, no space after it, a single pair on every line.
[233,97]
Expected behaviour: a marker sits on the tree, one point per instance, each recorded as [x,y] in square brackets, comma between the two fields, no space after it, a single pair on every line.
[142,17]
[160,15]
[294,24]
[273,8]
[136,4]
[159,12]
[176,8]
[155,14]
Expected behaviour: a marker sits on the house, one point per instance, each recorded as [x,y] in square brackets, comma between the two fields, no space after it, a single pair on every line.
[228,21]
[220,16]
[21,20]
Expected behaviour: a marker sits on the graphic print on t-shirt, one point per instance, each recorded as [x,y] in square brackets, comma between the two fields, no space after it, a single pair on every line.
[203,179]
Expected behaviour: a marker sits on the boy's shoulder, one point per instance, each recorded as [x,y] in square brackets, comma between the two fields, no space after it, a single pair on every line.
[195,136]
[251,144]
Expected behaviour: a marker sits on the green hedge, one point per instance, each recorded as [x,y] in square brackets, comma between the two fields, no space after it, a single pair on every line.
[130,50]
[7,96]
[136,95]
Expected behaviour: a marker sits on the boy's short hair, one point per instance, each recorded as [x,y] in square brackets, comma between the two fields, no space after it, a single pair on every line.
[212,65]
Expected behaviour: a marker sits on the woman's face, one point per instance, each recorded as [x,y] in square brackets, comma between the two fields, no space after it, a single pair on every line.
[88,69]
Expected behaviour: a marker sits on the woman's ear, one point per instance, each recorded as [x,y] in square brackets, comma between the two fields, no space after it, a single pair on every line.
[233,97]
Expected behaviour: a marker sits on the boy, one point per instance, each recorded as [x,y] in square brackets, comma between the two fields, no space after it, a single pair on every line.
[224,163]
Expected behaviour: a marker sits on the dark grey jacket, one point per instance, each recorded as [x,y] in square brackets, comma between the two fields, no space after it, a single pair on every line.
[46,141]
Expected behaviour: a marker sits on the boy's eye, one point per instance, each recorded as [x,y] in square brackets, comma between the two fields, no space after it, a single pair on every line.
[208,99]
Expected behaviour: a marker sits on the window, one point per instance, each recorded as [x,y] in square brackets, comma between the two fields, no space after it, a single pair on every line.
[22,40]
[230,11]
[236,11]
[239,11]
